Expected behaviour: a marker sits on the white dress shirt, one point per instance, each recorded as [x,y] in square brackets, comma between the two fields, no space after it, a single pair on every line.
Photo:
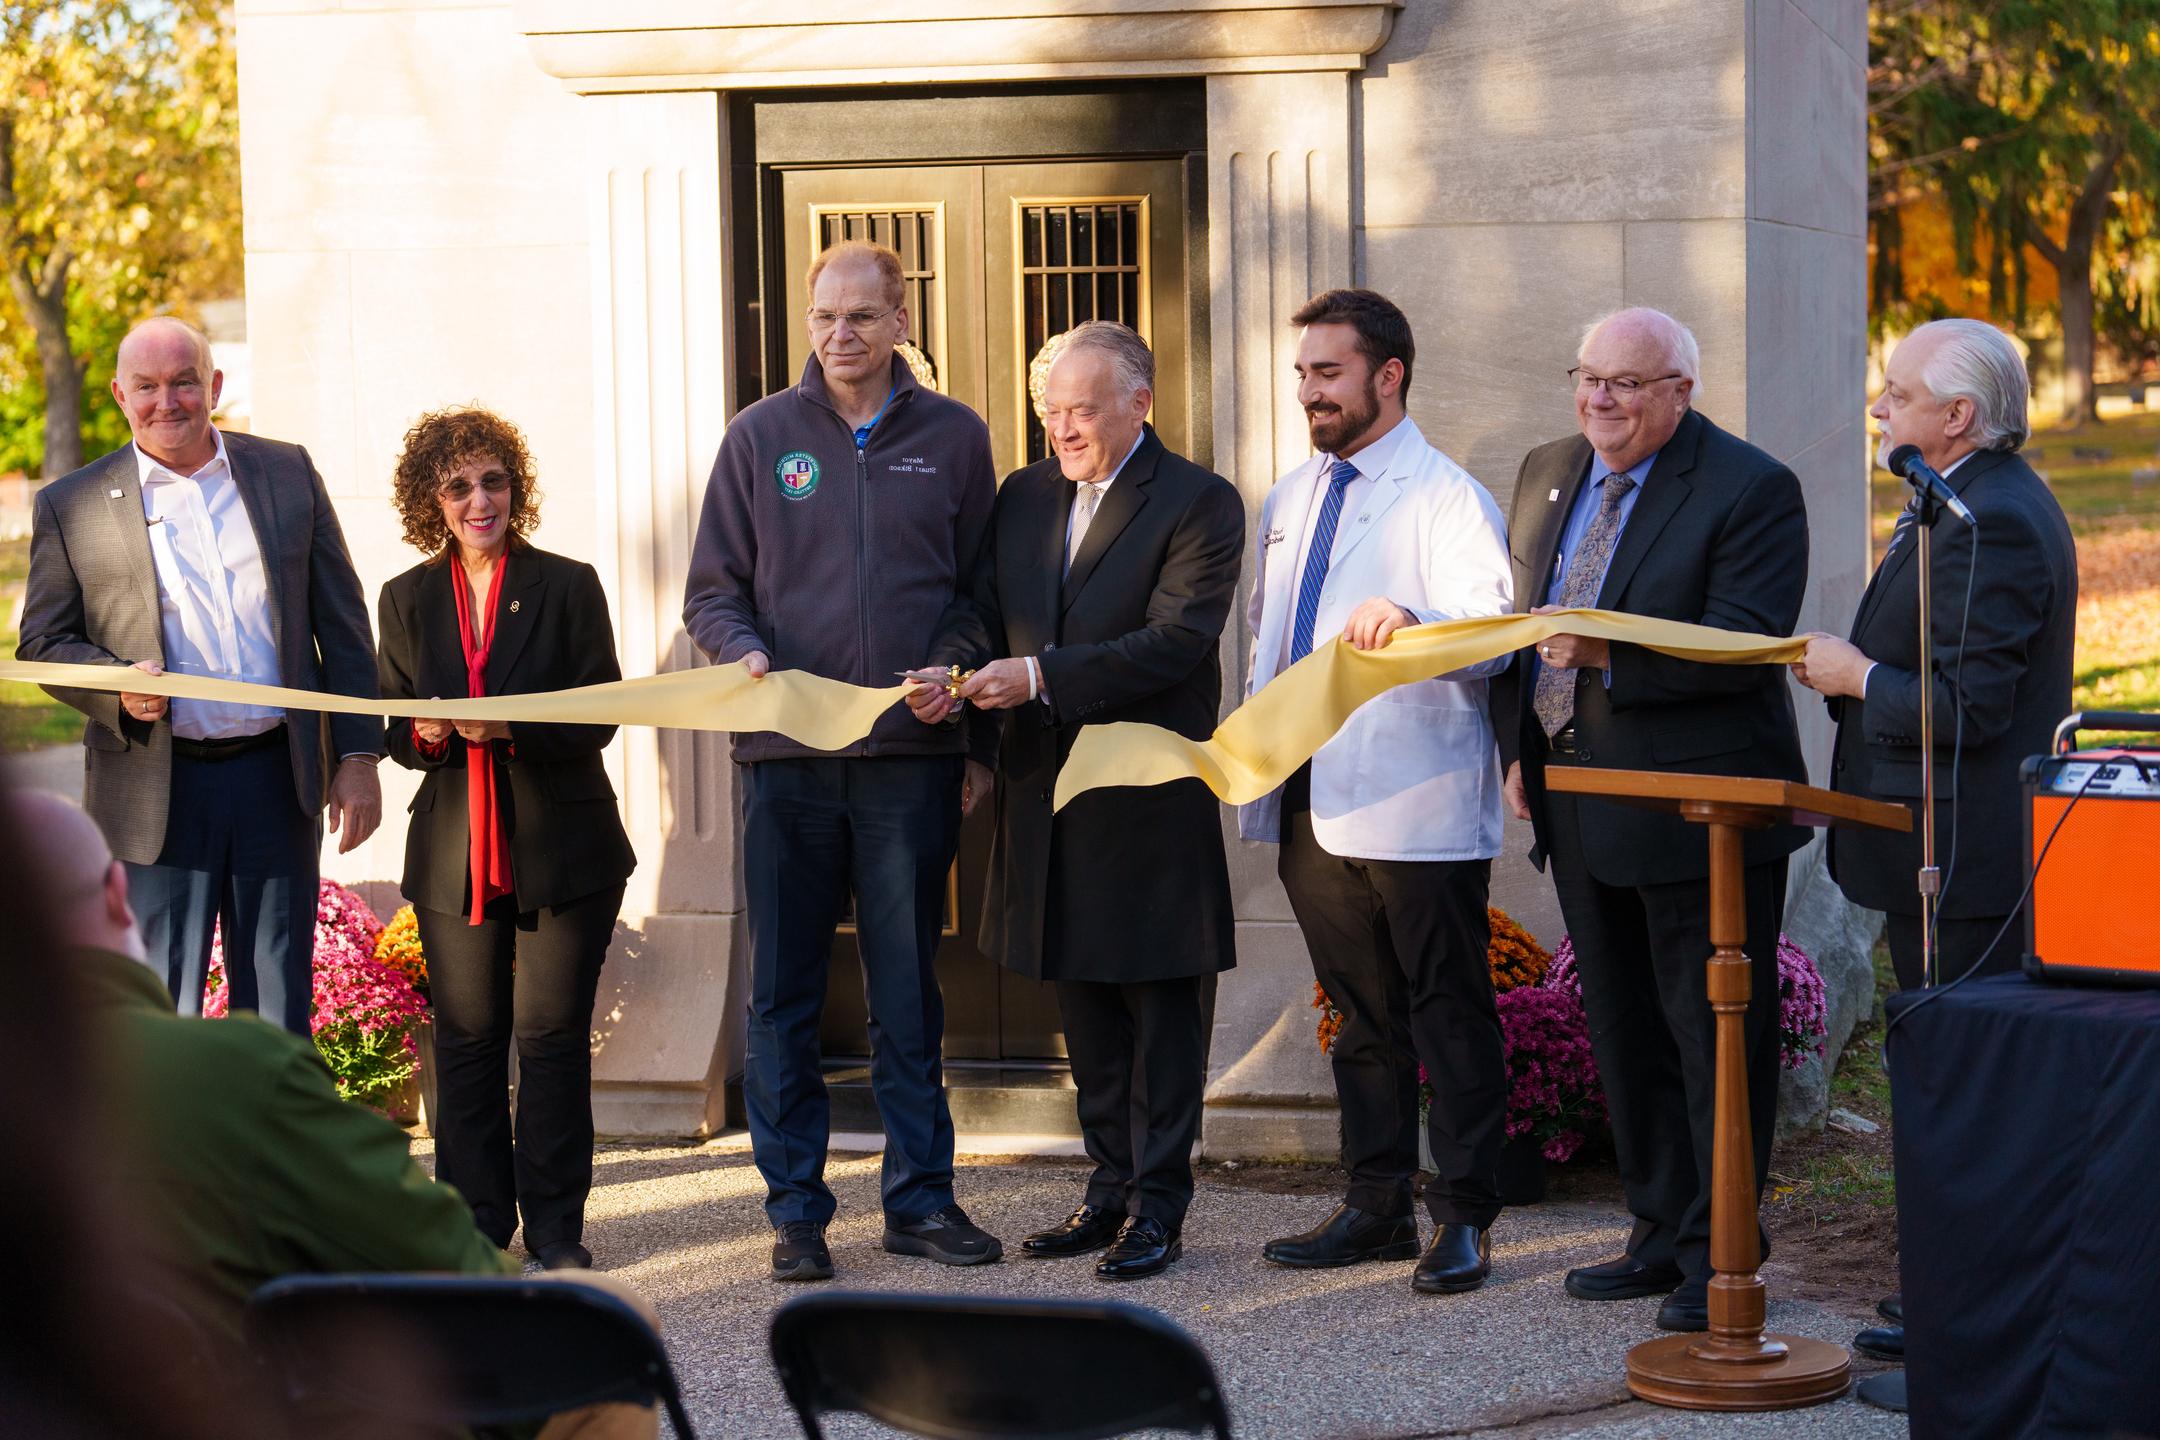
[1370,461]
[1036,689]
[213,606]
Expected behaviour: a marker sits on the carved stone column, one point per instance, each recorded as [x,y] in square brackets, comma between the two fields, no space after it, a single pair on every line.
[1280,186]
[667,1028]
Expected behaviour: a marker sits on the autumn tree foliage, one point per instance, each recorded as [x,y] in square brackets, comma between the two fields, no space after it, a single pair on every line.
[2035,124]
[119,192]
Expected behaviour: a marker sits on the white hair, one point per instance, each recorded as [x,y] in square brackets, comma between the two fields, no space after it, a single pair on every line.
[1132,364]
[1977,362]
[1681,351]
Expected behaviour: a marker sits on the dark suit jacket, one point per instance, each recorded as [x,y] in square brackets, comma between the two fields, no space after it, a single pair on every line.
[1718,537]
[566,837]
[93,600]
[1128,884]
[2008,684]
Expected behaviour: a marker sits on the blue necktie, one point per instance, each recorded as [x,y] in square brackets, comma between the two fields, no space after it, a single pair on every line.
[1316,560]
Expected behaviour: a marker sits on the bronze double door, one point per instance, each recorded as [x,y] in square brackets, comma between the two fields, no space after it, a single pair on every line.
[997,258]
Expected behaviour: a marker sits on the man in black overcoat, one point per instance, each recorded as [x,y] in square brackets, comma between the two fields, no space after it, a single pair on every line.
[1108,580]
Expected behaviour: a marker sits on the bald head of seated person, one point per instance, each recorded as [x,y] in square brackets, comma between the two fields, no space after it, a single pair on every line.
[227,1142]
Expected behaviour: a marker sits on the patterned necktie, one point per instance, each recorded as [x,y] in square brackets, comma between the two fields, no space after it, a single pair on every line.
[1083,516]
[1905,520]
[1555,697]
[1316,560]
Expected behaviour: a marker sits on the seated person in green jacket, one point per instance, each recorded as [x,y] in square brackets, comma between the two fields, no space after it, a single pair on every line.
[229,1144]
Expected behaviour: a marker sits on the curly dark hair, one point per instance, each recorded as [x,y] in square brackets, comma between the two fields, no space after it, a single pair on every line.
[438,443]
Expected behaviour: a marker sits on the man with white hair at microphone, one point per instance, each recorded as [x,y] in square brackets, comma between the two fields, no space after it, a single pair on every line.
[2002,662]
[1956,389]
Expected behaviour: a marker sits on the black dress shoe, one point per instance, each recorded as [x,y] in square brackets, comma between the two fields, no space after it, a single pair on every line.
[564,1255]
[1688,1307]
[799,1252]
[1892,1308]
[1344,1238]
[1623,1279]
[1088,1228]
[1459,1258]
[1883,1342]
[1885,1391]
[1145,1246]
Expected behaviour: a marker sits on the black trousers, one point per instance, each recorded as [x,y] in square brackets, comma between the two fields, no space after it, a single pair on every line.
[1958,946]
[1139,1060]
[546,1008]
[1400,947]
[1641,953]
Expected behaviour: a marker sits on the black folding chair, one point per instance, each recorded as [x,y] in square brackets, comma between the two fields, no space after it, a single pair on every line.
[953,1368]
[417,1350]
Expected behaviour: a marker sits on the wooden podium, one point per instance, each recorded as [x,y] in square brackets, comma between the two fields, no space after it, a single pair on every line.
[1735,1366]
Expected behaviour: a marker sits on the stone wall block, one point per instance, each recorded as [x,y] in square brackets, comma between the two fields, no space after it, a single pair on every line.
[1807,322]
[1840,938]
[1488,111]
[1807,110]
[1498,311]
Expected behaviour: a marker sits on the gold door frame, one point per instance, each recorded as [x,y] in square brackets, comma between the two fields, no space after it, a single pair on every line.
[1022,359]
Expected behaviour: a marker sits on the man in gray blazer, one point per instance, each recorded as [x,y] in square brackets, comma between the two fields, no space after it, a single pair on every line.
[211,554]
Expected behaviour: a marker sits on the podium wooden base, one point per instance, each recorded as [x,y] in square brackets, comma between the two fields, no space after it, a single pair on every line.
[1735,1365]
[1788,1373]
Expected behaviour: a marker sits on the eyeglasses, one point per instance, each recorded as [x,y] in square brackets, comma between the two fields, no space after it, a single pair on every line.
[1620,386]
[457,491]
[823,320]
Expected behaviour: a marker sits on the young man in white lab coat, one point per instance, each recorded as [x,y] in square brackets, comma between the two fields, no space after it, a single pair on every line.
[1388,834]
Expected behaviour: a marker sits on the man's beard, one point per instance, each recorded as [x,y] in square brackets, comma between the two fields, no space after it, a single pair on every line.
[1332,432]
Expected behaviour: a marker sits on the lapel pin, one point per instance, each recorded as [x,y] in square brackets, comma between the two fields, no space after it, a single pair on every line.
[1553,495]
[513,607]
[117,494]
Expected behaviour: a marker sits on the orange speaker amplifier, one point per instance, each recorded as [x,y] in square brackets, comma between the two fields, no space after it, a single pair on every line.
[2091,920]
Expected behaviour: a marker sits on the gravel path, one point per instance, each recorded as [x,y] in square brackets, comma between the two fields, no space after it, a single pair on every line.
[1341,1353]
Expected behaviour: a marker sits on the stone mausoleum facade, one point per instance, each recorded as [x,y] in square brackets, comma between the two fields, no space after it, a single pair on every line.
[593,218]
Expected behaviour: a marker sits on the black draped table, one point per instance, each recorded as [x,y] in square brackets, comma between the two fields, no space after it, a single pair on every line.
[2028,1176]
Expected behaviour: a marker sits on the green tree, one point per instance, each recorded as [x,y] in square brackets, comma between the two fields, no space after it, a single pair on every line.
[2031,119]
[119,190]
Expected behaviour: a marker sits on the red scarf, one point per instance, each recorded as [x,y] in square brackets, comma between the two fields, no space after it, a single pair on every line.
[490,843]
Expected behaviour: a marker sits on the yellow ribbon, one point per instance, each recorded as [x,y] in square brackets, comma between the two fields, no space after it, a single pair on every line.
[1262,742]
[1254,750]
[809,709]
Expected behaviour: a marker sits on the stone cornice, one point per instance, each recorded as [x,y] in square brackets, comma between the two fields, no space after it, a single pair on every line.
[742,44]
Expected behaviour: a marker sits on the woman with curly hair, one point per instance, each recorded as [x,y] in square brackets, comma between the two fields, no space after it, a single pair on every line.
[516,856]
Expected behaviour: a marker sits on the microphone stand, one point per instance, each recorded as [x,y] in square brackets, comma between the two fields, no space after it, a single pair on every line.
[1930,878]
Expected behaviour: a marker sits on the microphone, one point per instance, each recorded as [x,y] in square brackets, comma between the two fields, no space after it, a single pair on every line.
[1905,461]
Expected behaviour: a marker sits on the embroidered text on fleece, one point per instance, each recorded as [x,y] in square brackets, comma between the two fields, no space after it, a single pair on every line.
[848,562]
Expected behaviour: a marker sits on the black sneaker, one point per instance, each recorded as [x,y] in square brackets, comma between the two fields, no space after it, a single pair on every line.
[946,1236]
[799,1252]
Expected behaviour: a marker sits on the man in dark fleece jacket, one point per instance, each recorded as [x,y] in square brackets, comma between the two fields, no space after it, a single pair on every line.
[839,537]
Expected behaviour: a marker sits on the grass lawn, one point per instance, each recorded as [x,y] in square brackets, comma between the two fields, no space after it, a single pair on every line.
[2116,518]
[2099,493]
[29,718]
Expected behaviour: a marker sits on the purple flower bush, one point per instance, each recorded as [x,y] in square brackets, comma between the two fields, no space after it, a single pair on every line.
[1803,1008]
[365,1014]
[1553,1089]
